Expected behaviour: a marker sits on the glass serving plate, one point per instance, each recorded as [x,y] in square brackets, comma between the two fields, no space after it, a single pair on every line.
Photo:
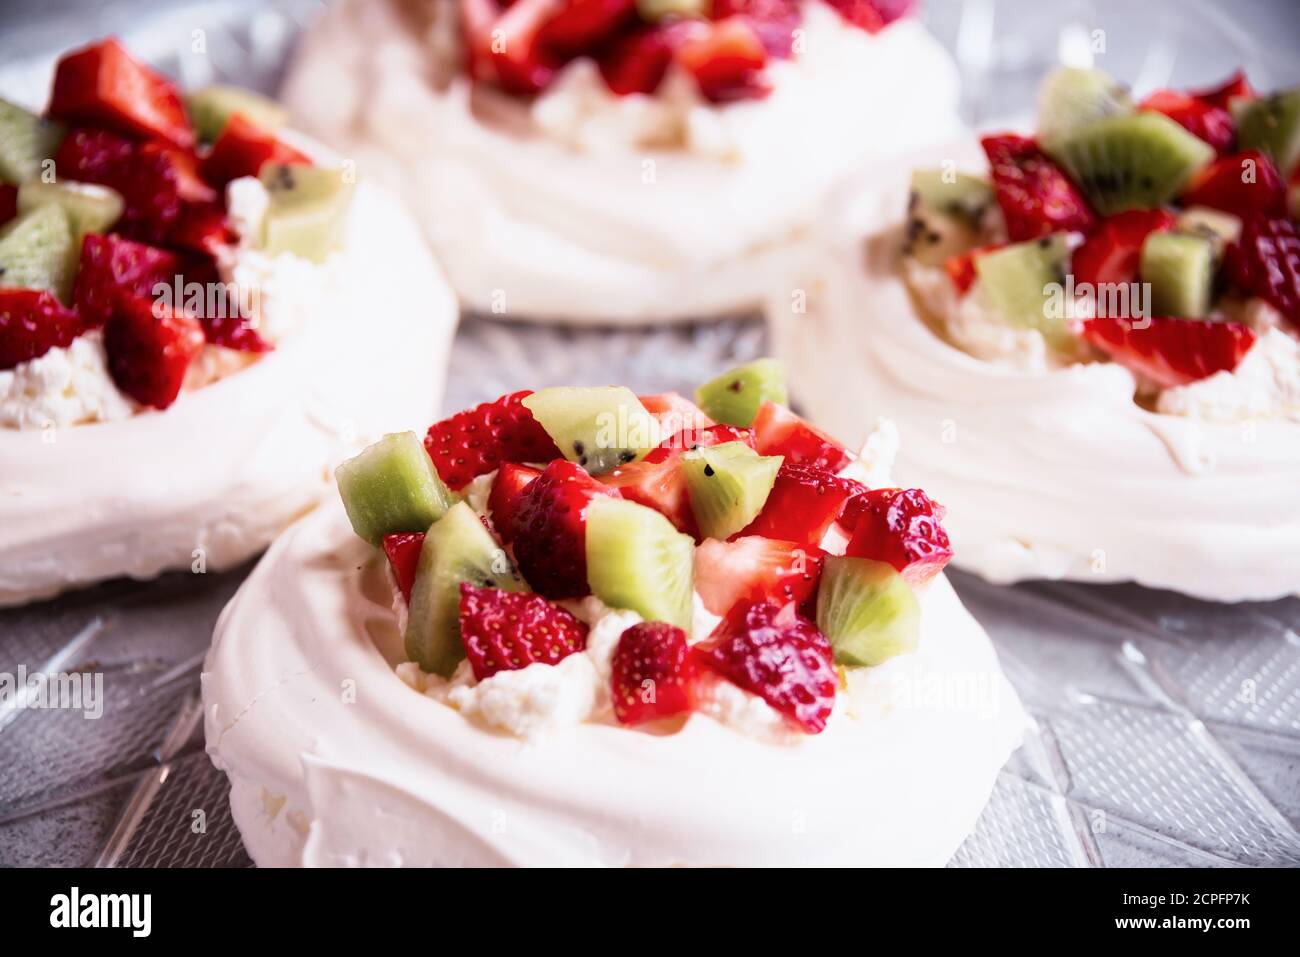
[1166,730]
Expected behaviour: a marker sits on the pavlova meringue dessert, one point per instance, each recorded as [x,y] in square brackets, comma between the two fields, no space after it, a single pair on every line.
[581,627]
[1089,336]
[618,160]
[199,317]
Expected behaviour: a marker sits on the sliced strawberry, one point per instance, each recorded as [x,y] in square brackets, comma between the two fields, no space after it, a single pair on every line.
[1171,351]
[674,412]
[902,527]
[803,503]
[8,202]
[753,568]
[242,149]
[32,322]
[150,348]
[1036,196]
[780,656]
[104,85]
[229,325]
[774,21]
[1265,262]
[112,266]
[872,15]
[1112,252]
[507,490]
[476,441]
[202,228]
[652,673]
[1241,184]
[657,484]
[403,551]
[507,631]
[637,62]
[725,57]
[1200,118]
[523,62]
[551,529]
[961,271]
[477,20]
[1236,86]
[778,431]
[581,24]
[688,439]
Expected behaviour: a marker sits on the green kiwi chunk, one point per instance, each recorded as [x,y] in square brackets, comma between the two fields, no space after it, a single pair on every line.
[1140,161]
[598,427]
[26,140]
[1017,281]
[945,214]
[307,215]
[91,208]
[637,560]
[1220,228]
[38,250]
[1272,124]
[867,611]
[457,548]
[728,485]
[1180,269]
[1070,98]
[211,107]
[733,398]
[391,487]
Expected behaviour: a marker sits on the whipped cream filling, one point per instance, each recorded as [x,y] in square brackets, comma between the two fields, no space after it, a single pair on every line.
[1046,472]
[649,208]
[63,387]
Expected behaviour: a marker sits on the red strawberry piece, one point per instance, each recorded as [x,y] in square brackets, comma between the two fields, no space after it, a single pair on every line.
[774,21]
[1236,86]
[780,656]
[581,24]
[778,431]
[1241,184]
[477,21]
[1171,351]
[1265,262]
[674,412]
[202,228]
[657,482]
[507,490]
[478,440]
[32,322]
[112,266]
[104,85]
[224,318]
[872,15]
[507,631]
[242,149]
[755,568]
[961,271]
[403,551]
[726,58]
[652,673]
[902,527]
[523,62]
[8,202]
[803,503]
[150,348]
[551,529]
[1209,122]
[1036,196]
[1113,251]
[688,439]
[637,62]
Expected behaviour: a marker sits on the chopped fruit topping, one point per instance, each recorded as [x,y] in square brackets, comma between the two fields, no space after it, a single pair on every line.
[460,549]
[1265,262]
[1240,184]
[202,228]
[778,655]
[726,58]
[1036,196]
[104,85]
[112,267]
[391,487]
[778,431]
[635,559]
[242,149]
[32,322]
[733,398]
[872,15]
[476,441]
[1272,124]
[523,63]
[1111,253]
[867,611]
[1017,279]
[651,673]
[91,208]
[26,141]
[728,486]
[774,21]
[551,529]
[658,483]
[1071,97]
[675,413]
[1205,120]
[308,209]
[1171,351]
[508,630]
[503,502]
[580,24]
[754,568]
[689,439]
[636,63]
[1235,87]
[1180,268]
[803,504]
[38,250]
[211,108]
[961,271]
[403,551]
[598,428]
[149,349]
[901,527]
